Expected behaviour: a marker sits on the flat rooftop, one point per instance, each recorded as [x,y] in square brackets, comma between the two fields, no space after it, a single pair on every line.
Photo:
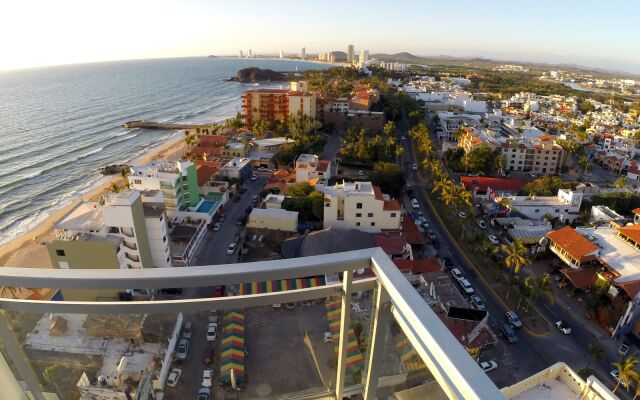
[549,389]
[86,216]
[615,252]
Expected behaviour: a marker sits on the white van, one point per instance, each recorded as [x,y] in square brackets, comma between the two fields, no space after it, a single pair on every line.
[415,204]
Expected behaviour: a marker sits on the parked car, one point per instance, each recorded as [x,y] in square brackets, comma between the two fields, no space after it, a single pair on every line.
[415,204]
[513,319]
[204,394]
[477,302]
[494,240]
[213,316]
[186,330]
[222,217]
[414,167]
[328,337]
[563,327]
[488,365]
[254,177]
[212,331]
[509,334]
[207,377]
[409,191]
[447,262]
[208,356]
[174,377]
[183,349]
[532,174]
[217,226]
[263,169]
[616,377]
[435,243]
[254,199]
[457,274]
[243,189]
[361,173]
[481,224]
[402,138]
[231,249]
[218,291]
[462,214]
[276,305]
[466,286]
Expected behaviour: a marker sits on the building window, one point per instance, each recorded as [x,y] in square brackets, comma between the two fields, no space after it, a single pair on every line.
[137,181]
[60,253]
[357,223]
[393,215]
[167,260]
[370,215]
[537,210]
[358,215]
[557,210]
[164,239]
[373,224]
[359,205]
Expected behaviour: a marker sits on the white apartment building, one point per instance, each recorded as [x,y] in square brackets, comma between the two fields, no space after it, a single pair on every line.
[565,206]
[121,232]
[238,168]
[177,180]
[310,168]
[361,206]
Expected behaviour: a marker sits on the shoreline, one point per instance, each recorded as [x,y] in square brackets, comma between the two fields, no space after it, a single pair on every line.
[29,242]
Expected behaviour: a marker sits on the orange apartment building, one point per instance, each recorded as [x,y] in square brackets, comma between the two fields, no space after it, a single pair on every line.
[273,104]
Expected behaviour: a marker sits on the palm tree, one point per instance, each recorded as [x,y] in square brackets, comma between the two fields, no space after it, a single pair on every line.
[596,352]
[626,371]
[516,255]
[539,286]
[620,182]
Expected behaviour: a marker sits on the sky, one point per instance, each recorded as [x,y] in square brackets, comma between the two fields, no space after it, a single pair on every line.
[603,34]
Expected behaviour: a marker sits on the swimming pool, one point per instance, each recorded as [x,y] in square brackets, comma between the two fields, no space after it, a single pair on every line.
[206,206]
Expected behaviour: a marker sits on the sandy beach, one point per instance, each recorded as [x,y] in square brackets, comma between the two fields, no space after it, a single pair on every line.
[29,251]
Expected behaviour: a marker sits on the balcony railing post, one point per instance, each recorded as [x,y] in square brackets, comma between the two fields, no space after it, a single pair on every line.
[16,354]
[345,323]
[380,321]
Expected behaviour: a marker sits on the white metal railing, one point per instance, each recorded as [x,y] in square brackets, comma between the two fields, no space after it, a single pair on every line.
[453,368]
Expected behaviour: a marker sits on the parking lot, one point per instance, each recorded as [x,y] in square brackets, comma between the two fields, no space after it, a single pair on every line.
[279,362]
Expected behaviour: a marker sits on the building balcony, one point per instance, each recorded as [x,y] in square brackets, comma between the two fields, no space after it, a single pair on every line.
[354,333]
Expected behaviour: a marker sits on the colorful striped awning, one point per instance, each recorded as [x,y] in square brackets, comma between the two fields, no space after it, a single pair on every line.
[355,361]
[407,353]
[232,350]
[280,285]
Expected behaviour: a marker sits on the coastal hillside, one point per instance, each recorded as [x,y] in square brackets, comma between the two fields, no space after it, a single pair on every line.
[249,75]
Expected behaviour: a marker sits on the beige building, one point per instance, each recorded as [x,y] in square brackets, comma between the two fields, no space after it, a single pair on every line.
[361,206]
[273,218]
[273,104]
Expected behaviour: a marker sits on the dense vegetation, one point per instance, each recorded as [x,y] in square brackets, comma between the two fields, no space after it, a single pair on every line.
[545,186]
[304,199]
[361,147]
[389,177]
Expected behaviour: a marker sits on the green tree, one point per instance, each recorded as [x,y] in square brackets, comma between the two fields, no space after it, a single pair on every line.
[389,128]
[583,162]
[516,255]
[545,186]
[260,127]
[626,371]
[300,189]
[596,353]
[317,204]
[539,286]
[389,177]
[620,182]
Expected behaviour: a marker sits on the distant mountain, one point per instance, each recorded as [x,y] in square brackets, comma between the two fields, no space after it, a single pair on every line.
[403,56]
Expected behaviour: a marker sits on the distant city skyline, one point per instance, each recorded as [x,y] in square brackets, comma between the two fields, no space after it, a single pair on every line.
[71,31]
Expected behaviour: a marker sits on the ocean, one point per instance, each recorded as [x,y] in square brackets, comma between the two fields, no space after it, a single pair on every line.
[59,125]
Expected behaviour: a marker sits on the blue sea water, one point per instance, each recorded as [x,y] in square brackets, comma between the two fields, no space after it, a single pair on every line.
[59,125]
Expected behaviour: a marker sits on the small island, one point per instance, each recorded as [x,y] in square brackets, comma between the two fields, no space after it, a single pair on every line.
[253,74]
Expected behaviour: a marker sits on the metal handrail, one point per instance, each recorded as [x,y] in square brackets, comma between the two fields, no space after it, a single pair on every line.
[456,372]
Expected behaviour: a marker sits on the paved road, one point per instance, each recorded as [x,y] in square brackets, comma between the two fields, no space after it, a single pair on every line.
[531,354]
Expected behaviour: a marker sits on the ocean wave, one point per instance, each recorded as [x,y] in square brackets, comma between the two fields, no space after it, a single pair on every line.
[99,149]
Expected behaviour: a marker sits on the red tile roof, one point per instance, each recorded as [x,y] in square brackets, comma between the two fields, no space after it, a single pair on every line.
[391,205]
[323,165]
[392,244]
[209,140]
[572,242]
[582,278]
[461,329]
[205,172]
[631,288]
[377,193]
[411,232]
[481,183]
[632,232]
[418,266]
